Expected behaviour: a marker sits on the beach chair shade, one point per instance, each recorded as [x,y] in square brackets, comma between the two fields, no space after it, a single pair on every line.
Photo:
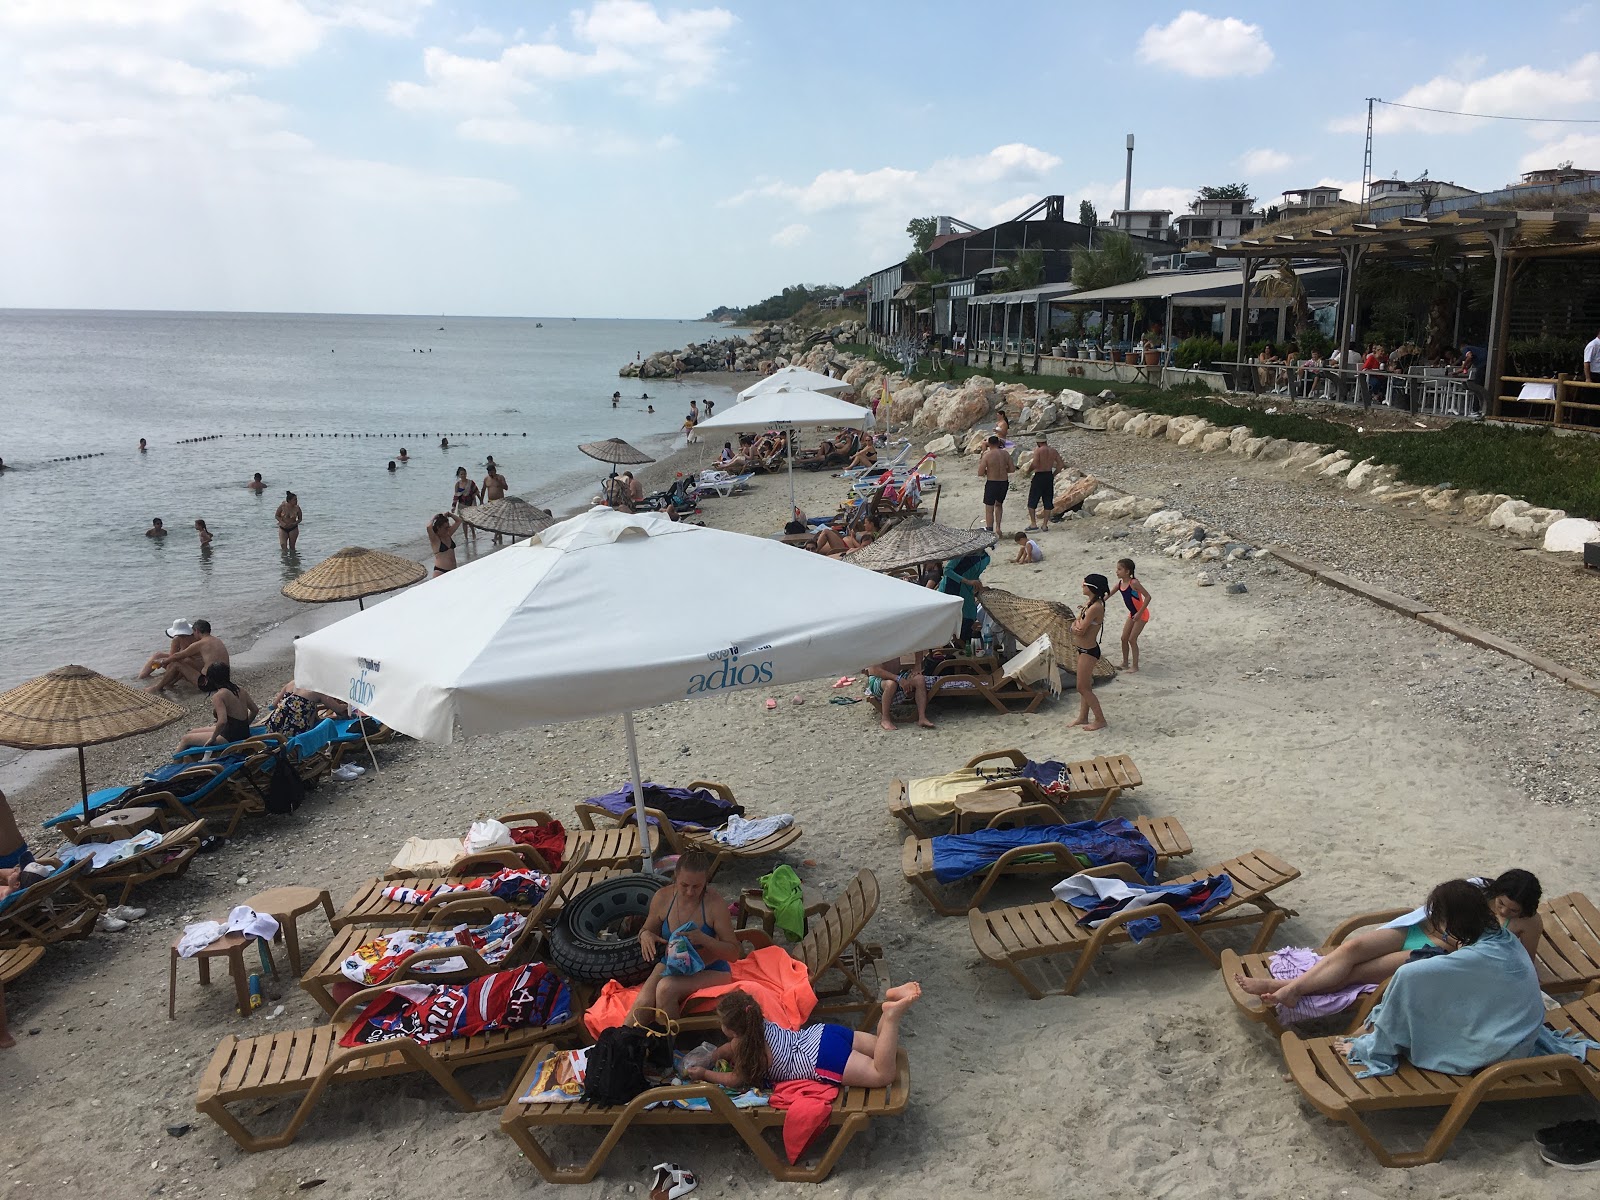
[615,451]
[919,540]
[513,515]
[353,574]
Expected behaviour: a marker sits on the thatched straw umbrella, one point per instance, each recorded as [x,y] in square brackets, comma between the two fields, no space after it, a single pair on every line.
[74,707]
[614,451]
[918,541]
[353,574]
[511,515]
[1026,619]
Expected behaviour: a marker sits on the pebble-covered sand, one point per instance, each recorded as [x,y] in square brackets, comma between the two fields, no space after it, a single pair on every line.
[1373,753]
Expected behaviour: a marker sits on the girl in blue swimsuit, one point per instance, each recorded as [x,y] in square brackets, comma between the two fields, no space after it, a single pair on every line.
[711,936]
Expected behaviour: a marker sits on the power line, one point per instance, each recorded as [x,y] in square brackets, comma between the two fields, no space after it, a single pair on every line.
[1492,116]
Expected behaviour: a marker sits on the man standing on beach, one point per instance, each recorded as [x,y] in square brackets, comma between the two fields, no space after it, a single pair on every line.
[1046,462]
[191,663]
[494,488]
[1591,360]
[994,468]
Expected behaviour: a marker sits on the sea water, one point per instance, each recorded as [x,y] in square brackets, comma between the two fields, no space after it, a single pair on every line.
[317,405]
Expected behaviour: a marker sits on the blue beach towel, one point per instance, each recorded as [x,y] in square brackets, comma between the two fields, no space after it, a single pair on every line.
[958,855]
[1101,899]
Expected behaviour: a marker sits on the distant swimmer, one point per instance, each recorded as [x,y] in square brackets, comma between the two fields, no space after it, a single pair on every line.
[256,484]
[2,464]
[142,447]
[157,529]
[616,398]
[649,408]
[288,516]
[644,395]
[205,534]
[489,462]
[392,467]
[404,457]
[444,443]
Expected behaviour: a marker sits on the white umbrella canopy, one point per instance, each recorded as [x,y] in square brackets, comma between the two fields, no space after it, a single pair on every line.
[796,379]
[790,410]
[551,629]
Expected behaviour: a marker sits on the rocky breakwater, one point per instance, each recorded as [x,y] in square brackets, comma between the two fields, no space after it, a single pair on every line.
[760,350]
[1337,468]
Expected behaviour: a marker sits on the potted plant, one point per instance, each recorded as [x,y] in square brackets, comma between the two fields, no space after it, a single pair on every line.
[1152,356]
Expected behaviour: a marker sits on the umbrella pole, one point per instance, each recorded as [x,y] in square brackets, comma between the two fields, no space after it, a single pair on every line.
[638,787]
[83,778]
[788,444]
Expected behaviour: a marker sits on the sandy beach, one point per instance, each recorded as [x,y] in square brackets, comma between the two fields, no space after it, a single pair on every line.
[1373,753]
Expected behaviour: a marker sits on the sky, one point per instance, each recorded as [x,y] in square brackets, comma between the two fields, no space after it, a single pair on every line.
[636,159]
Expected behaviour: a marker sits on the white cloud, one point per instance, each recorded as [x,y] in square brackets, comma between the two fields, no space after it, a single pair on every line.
[1264,162]
[1523,91]
[1349,189]
[950,185]
[791,235]
[1580,149]
[1205,47]
[482,35]
[624,41]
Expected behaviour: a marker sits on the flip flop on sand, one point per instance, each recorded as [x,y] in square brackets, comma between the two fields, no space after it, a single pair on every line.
[771,704]
[844,681]
[671,1181]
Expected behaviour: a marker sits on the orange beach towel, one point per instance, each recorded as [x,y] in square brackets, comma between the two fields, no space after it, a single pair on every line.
[777,980]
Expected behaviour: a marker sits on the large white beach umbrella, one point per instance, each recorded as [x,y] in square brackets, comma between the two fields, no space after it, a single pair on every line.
[553,629]
[790,410]
[796,379]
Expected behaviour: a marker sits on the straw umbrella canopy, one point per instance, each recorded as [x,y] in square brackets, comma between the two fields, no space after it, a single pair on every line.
[1026,619]
[512,515]
[73,707]
[917,541]
[614,451]
[353,574]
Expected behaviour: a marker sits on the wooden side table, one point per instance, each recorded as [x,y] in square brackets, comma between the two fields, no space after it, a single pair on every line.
[753,904]
[286,904]
[128,821]
[974,810]
[231,946]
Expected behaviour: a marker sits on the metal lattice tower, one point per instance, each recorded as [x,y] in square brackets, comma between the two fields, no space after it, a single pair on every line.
[1366,166]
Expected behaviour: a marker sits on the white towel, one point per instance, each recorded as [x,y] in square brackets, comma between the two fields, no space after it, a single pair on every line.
[740,832]
[242,919]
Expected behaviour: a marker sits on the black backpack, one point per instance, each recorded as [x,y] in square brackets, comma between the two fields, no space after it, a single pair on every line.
[285,791]
[618,1061]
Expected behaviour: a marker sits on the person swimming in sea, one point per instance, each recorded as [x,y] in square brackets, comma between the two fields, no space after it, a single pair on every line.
[256,484]
[392,467]
[157,529]
[404,457]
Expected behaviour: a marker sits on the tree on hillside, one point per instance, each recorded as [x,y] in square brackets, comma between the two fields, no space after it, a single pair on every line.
[1225,191]
[1087,214]
[1113,261]
[922,231]
[920,271]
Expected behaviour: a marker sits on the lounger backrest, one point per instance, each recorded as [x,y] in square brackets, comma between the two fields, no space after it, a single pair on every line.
[832,932]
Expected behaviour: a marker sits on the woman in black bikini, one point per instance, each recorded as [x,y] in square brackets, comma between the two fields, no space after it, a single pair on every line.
[442,541]
[233,706]
[288,517]
[466,495]
[1086,644]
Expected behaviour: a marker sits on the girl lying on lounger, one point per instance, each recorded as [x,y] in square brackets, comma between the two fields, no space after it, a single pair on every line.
[1374,955]
[764,1054]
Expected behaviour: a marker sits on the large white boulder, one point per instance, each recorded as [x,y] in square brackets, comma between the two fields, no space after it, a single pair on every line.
[941,445]
[1520,519]
[1570,534]
[1128,506]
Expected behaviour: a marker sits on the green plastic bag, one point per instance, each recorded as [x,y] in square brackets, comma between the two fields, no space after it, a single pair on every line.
[786,900]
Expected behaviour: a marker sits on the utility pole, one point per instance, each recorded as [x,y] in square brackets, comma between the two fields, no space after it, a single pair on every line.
[1366,166]
[1127,180]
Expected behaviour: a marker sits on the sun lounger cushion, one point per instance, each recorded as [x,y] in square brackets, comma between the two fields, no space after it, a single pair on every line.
[375,960]
[1094,843]
[778,982]
[528,995]
[1461,1011]
[686,808]
[426,856]
[16,897]
[1099,899]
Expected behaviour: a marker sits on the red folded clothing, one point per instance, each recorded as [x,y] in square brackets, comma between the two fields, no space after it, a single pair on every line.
[549,840]
[809,1102]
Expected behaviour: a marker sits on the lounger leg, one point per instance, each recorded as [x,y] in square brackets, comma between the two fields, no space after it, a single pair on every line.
[1274,916]
[1110,798]
[172,986]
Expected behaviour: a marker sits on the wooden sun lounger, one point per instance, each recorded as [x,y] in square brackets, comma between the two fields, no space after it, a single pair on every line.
[323,973]
[368,907]
[56,909]
[305,1061]
[616,846]
[1049,858]
[680,840]
[1330,1084]
[166,859]
[1008,937]
[853,1110]
[1568,957]
[957,678]
[18,960]
[1103,778]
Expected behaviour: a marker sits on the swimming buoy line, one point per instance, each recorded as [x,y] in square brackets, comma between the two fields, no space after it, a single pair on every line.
[217,437]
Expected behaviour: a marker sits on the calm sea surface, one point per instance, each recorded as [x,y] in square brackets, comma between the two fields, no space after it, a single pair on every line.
[278,394]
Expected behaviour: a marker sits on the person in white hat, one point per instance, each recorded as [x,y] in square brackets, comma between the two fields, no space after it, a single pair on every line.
[182,634]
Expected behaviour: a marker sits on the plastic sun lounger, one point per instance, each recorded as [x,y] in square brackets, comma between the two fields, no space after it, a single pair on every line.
[323,973]
[725,485]
[617,846]
[17,961]
[1325,1079]
[225,795]
[56,909]
[1008,937]
[1049,858]
[1567,960]
[305,1062]
[853,1111]
[965,678]
[1103,778]
[680,840]
[368,907]
[897,463]
[166,859]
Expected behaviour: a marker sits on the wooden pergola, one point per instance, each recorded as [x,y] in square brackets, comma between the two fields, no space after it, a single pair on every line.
[1511,238]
